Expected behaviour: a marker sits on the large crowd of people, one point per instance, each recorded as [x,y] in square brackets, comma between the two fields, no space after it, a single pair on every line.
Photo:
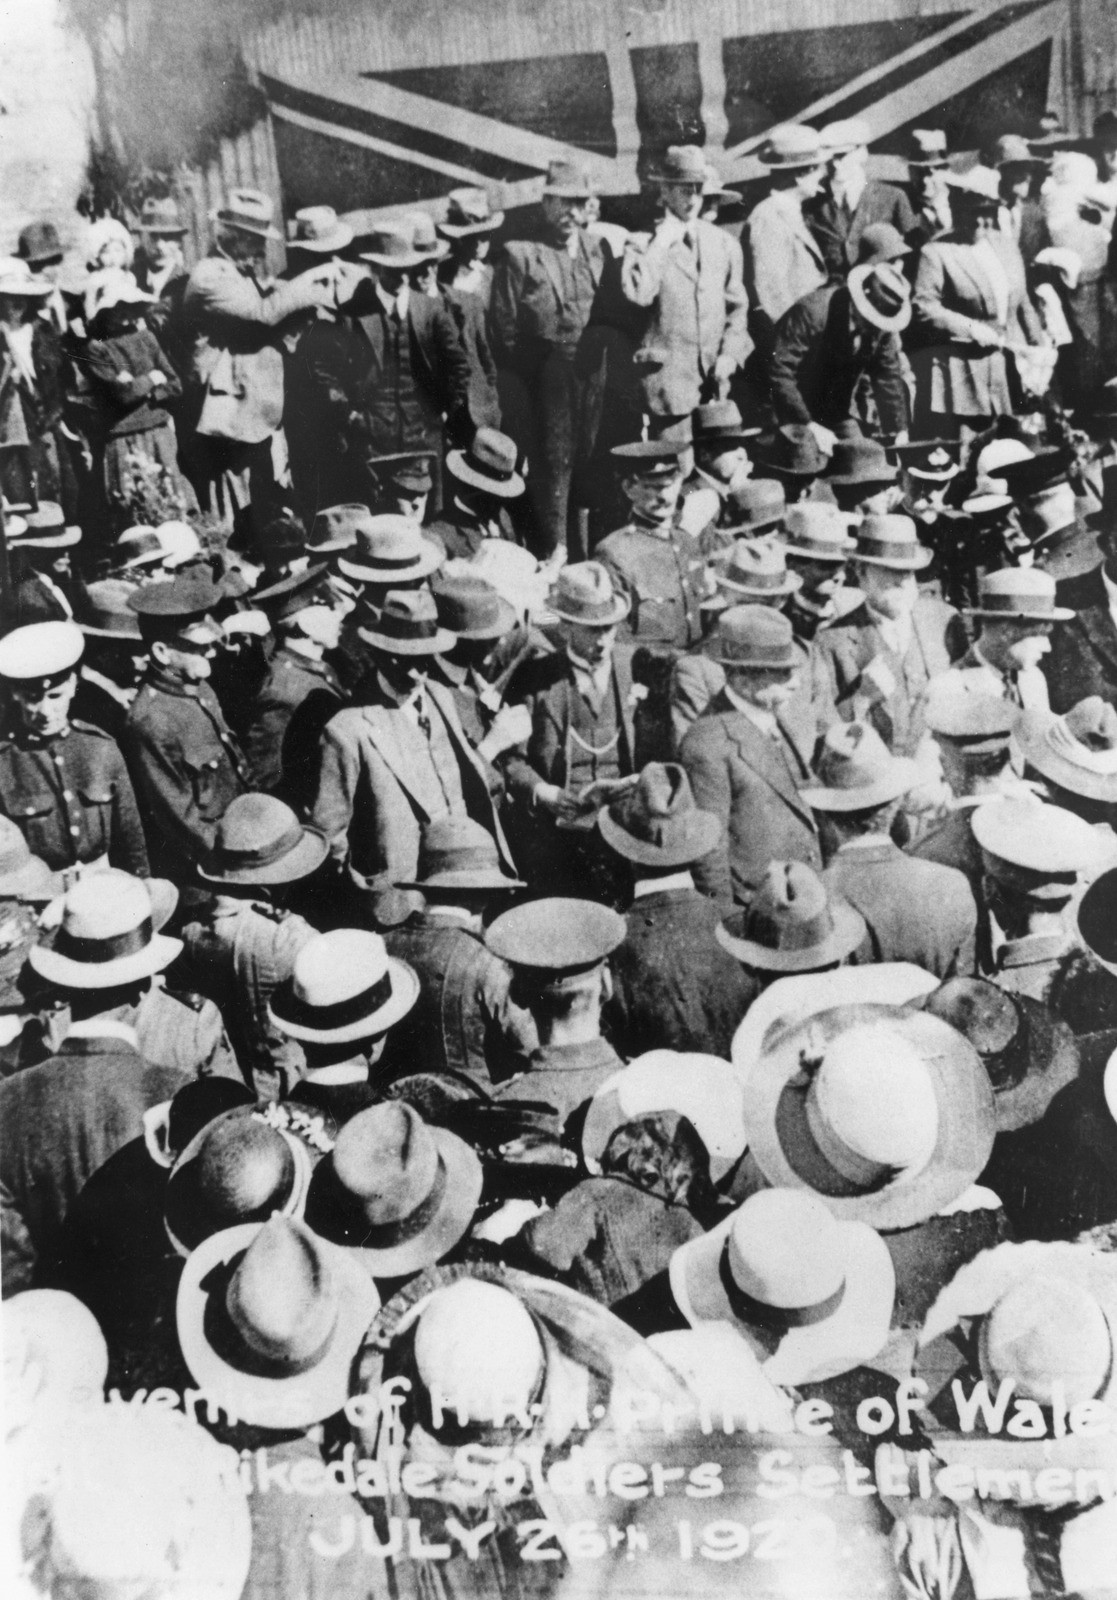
[557,858]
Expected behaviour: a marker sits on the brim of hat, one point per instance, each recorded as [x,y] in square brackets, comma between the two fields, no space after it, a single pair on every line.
[491,882]
[262,230]
[426,562]
[787,1156]
[985,505]
[306,857]
[332,244]
[703,827]
[502,488]
[779,470]
[933,477]
[505,620]
[305,1397]
[731,435]
[887,324]
[181,1191]
[163,894]
[405,992]
[64,539]
[839,554]
[69,974]
[438,643]
[345,1225]
[752,661]
[848,934]
[846,480]
[27,291]
[33,882]
[791,585]
[1030,735]
[166,230]
[897,563]
[1053,1063]
[413,258]
[903,775]
[92,632]
[465,230]
[793,163]
[855,1332]
[566,191]
[1056,614]
[621,607]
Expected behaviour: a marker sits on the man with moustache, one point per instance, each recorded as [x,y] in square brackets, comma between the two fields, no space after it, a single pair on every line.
[1016,616]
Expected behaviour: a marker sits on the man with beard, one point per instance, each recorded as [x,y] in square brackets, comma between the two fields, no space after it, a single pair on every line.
[1016,614]
[818,548]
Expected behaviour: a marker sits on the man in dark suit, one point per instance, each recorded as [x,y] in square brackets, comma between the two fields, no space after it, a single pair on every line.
[380,379]
[1083,658]
[674,987]
[851,201]
[1021,214]
[747,760]
[842,337]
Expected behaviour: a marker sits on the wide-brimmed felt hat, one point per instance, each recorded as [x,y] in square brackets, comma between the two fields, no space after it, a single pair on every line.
[456,853]
[248,211]
[856,771]
[702,1088]
[42,528]
[107,936]
[160,215]
[928,147]
[1076,751]
[469,211]
[1054,512]
[755,505]
[24,876]
[259,841]
[488,464]
[17,279]
[389,548]
[392,244]
[1028,1052]
[471,607]
[754,636]
[584,593]
[407,624]
[239,1168]
[294,593]
[793,451]
[1035,848]
[792,146]
[880,241]
[859,461]
[817,532]
[657,824]
[395,1191]
[270,1318]
[889,540]
[757,569]
[719,422]
[567,181]
[557,934]
[881,294]
[319,231]
[39,245]
[344,987]
[105,612]
[191,594]
[793,924]
[811,1295]
[40,650]
[884,1112]
[337,528]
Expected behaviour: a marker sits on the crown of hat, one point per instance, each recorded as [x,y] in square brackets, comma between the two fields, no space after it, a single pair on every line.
[315,222]
[51,1338]
[245,1171]
[41,650]
[881,242]
[815,522]
[161,212]
[1013,150]
[979,186]
[407,613]
[556,934]
[1074,169]
[937,458]
[861,457]
[466,603]
[684,163]
[1023,831]
[192,593]
[1093,723]
[423,234]
[38,241]
[791,143]
[412,472]
[661,797]
[566,177]
[887,289]
[752,632]
[853,756]
[108,607]
[929,141]
[256,827]
[1000,453]
[494,451]
[794,448]
[456,844]
[783,1249]
[961,715]
[388,539]
[757,499]
[282,1299]
[391,239]
[875,1100]
[388,1160]
[104,905]
[790,910]
[849,133]
[887,528]
[477,1348]
[756,564]
[715,417]
[585,588]
[339,526]
[1048,510]
[981,1012]
[1048,1329]
[338,966]
[468,205]
[179,542]
[249,205]
[1024,583]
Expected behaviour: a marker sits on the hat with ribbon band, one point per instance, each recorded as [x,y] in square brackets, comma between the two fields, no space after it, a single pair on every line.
[261,841]
[107,936]
[344,987]
[408,625]
[387,548]
[1076,751]
[793,924]
[657,824]
[488,464]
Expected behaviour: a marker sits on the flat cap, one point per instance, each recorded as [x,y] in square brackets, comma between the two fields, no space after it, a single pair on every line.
[556,935]
[40,650]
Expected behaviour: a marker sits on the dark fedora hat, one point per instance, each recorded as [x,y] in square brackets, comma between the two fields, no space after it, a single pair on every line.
[456,853]
[470,607]
[39,245]
[859,461]
[657,824]
[160,215]
[261,841]
[793,451]
[295,593]
[719,422]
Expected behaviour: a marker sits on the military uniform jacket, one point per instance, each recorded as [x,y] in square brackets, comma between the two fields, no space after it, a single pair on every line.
[186,767]
[849,644]
[752,784]
[915,910]
[547,686]
[72,799]
[565,1076]
[296,700]
[664,580]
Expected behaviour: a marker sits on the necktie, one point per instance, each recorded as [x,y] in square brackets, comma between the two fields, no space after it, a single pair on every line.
[423,718]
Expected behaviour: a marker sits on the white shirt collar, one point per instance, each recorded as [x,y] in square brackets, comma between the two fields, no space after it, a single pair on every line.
[851,192]
[104,1028]
[355,1071]
[673,880]
[896,632]
[764,720]
[598,676]
[397,302]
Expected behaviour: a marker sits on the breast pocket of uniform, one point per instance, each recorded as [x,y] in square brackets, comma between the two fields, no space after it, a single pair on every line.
[97,802]
[38,817]
[660,613]
[206,787]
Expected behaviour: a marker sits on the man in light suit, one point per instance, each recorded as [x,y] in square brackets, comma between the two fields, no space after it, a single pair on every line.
[394,764]
[690,274]
[747,759]
[232,407]
[783,261]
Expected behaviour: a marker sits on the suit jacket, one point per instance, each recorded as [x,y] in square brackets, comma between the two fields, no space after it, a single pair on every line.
[952,293]
[748,782]
[1083,658]
[372,805]
[972,675]
[674,987]
[699,312]
[546,685]
[296,700]
[1028,228]
[916,910]
[59,1122]
[531,312]
[815,371]
[783,261]
[838,230]
[850,643]
[234,358]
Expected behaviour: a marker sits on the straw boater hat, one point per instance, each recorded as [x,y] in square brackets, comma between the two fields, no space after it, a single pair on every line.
[395,1191]
[261,841]
[1018,594]
[811,1295]
[107,936]
[407,625]
[270,1317]
[1033,848]
[584,593]
[458,855]
[881,294]
[392,244]
[817,532]
[389,548]
[1027,1051]
[657,824]
[55,1356]
[567,181]
[889,540]
[702,1088]
[1076,751]
[757,570]
[488,464]
[886,1113]
[856,771]
[928,148]
[468,212]
[424,236]
[246,1165]
[45,528]
[793,924]
[17,279]
[344,987]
